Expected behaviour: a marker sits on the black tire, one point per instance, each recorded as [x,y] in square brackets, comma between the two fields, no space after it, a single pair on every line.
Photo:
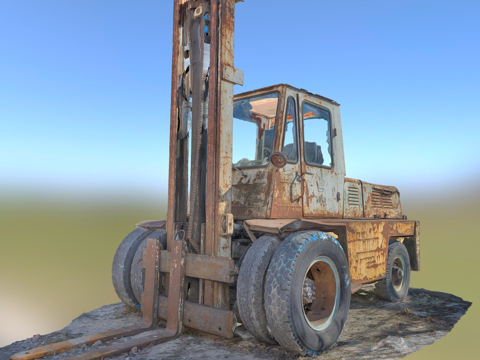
[122,263]
[250,287]
[137,272]
[297,324]
[395,286]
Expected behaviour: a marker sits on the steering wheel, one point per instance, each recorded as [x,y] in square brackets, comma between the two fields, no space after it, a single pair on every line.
[266,153]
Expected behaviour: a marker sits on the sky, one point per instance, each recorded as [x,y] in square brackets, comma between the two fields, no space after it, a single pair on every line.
[85,87]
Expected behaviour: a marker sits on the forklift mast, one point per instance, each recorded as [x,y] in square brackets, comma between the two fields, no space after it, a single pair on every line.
[199,208]
[203,76]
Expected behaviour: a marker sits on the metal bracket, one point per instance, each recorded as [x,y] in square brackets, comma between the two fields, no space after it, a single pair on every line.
[227,224]
[205,267]
[232,75]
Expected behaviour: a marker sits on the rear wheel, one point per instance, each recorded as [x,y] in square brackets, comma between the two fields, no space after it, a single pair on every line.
[395,286]
[250,287]
[122,264]
[137,272]
[307,292]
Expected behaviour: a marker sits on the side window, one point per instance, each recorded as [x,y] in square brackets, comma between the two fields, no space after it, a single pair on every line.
[317,140]
[290,140]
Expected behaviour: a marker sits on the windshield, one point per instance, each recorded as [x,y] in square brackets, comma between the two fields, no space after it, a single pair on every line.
[253,130]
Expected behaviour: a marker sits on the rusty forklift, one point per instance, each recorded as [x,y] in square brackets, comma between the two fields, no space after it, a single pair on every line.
[263,227]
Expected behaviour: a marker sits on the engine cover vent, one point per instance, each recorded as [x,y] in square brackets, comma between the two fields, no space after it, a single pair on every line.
[382,198]
[353,196]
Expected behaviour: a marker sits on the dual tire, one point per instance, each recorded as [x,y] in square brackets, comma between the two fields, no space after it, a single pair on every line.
[128,275]
[303,297]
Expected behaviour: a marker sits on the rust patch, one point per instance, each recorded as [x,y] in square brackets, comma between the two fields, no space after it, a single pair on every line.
[366,240]
[381,201]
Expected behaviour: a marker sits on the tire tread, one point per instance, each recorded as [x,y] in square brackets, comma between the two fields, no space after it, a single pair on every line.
[383,288]
[250,287]
[278,290]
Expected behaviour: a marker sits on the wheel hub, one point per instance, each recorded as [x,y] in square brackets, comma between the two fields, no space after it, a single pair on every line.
[321,293]
[398,268]
[308,291]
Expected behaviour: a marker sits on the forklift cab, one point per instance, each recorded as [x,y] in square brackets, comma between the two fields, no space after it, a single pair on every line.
[303,131]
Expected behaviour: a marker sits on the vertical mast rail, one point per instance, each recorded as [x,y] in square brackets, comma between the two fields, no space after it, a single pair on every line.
[177,191]
[219,226]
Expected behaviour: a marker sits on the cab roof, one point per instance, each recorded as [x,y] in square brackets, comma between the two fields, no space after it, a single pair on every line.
[276,87]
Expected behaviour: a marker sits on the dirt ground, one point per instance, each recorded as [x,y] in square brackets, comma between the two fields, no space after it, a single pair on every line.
[375,330]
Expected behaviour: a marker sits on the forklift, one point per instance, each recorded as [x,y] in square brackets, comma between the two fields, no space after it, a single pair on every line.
[263,227]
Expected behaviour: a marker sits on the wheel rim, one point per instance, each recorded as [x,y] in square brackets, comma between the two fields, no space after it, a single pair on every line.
[398,272]
[321,293]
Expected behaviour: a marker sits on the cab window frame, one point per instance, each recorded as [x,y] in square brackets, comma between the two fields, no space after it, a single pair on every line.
[296,123]
[329,121]
[250,95]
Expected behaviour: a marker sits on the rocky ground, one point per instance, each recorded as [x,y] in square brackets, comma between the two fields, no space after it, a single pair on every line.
[375,330]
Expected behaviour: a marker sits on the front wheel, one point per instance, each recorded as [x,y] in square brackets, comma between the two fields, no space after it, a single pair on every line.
[307,292]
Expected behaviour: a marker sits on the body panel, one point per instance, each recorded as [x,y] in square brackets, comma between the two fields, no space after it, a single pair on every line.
[323,187]
[381,201]
[353,199]
[287,194]
[364,241]
[252,193]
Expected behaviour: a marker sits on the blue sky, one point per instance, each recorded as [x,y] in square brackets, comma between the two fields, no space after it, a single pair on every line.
[85,86]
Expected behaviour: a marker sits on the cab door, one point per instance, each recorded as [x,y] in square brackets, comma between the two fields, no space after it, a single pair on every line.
[323,167]
[287,192]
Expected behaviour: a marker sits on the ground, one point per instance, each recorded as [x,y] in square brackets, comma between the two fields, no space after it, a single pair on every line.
[375,329]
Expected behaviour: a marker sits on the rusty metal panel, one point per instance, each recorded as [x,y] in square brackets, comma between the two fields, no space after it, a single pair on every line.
[287,192]
[367,240]
[214,321]
[367,243]
[269,226]
[152,225]
[250,192]
[320,195]
[367,249]
[279,226]
[352,199]
[381,201]
[401,228]
[398,227]
[203,267]
[323,187]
